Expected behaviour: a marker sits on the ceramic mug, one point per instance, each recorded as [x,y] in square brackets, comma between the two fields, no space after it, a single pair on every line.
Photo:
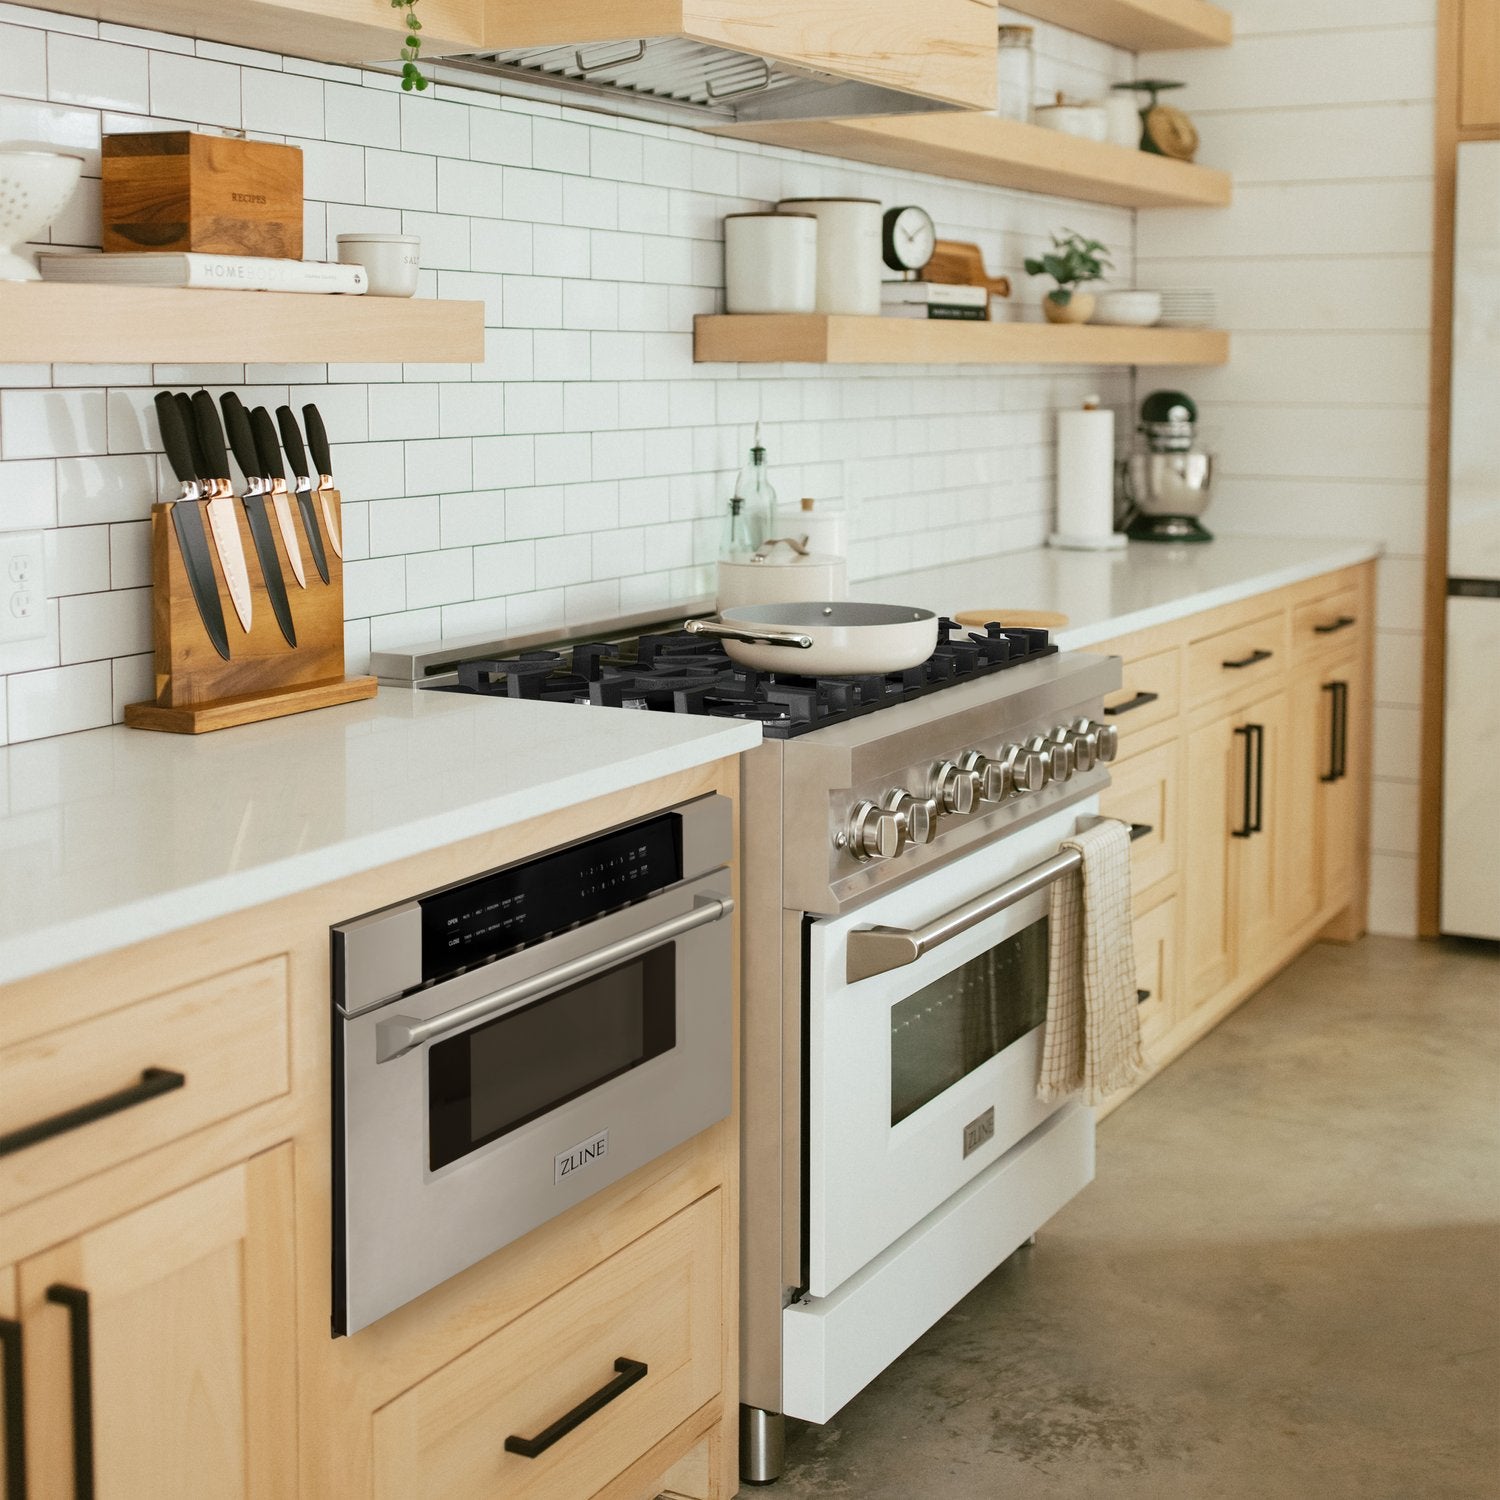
[392,261]
[849,252]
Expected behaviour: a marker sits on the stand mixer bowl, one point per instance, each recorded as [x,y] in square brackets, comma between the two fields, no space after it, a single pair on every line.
[1169,484]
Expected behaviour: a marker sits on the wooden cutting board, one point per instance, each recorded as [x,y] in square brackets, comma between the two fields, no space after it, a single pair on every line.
[1035,619]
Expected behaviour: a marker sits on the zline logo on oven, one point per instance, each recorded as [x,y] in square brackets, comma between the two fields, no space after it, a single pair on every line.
[585,1153]
[979,1130]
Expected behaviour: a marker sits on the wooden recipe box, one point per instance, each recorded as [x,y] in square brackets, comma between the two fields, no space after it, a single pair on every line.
[217,195]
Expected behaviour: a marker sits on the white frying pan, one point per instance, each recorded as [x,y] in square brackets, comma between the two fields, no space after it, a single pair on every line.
[837,639]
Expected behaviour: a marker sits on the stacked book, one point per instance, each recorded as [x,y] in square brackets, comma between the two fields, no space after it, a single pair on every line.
[236,273]
[934,299]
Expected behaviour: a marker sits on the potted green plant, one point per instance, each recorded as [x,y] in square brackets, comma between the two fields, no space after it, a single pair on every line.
[1072,262]
[411,50]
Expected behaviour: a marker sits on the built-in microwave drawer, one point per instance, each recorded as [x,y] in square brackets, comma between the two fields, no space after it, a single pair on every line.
[570,1394]
[83,1098]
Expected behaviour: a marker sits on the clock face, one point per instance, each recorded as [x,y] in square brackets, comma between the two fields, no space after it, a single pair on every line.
[909,238]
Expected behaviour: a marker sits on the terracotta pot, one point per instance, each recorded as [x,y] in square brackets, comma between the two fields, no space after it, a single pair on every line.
[1080,309]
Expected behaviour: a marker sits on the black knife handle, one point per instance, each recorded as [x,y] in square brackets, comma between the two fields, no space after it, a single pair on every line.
[291,440]
[317,439]
[190,426]
[211,435]
[174,438]
[266,446]
[237,425]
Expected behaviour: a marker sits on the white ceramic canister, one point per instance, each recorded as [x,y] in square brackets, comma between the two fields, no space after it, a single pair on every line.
[1086,120]
[392,261]
[1122,113]
[824,524]
[770,262]
[778,574]
[849,255]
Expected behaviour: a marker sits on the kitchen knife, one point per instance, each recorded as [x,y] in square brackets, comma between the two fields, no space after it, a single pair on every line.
[220,503]
[187,522]
[317,440]
[291,440]
[268,451]
[257,487]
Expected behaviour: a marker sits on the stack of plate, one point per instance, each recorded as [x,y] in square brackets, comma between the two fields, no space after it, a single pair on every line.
[1187,307]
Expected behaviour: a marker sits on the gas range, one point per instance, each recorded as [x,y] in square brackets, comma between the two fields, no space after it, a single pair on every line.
[671,671]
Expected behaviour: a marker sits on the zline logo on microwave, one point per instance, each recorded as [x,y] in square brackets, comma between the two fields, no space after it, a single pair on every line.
[576,1158]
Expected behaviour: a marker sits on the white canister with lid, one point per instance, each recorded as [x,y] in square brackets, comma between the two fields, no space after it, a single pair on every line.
[781,572]
[392,261]
[1122,116]
[1088,121]
[823,525]
[770,262]
[849,252]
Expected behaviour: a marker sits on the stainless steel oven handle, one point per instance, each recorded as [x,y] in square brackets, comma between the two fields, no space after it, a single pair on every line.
[877,950]
[399,1034]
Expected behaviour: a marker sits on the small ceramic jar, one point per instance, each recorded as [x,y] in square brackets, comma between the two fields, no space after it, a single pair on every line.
[392,261]
[849,252]
[770,263]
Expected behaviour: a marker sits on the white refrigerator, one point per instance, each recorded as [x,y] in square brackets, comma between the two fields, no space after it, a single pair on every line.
[1471,714]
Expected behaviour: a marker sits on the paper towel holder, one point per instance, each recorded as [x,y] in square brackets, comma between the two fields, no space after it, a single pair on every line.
[1097,541]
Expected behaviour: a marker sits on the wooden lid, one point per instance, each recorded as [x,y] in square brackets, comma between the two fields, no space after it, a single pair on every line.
[1036,619]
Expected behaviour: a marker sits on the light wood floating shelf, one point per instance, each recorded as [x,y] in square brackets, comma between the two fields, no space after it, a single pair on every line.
[1138,25]
[57,323]
[978,147]
[821,339]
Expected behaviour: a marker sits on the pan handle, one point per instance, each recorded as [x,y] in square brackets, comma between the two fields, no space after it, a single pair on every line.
[749,637]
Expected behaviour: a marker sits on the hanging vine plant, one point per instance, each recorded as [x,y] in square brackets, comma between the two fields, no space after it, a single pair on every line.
[411,49]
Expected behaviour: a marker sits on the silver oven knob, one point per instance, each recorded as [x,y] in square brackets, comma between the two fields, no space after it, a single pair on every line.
[994,775]
[920,814]
[876,832]
[1107,735]
[1085,745]
[954,790]
[1061,745]
[1045,754]
[1026,769]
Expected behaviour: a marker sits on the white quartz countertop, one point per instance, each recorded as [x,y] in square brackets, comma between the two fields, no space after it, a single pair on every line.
[1107,594]
[118,835]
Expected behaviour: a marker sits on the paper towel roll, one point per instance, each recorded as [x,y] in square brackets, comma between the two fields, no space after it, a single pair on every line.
[1086,480]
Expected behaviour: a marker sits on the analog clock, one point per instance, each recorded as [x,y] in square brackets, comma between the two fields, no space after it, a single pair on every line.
[909,238]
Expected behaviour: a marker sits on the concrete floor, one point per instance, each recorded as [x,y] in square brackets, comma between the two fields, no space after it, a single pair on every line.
[1285,1281]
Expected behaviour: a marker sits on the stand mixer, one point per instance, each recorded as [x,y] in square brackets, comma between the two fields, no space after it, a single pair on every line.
[1167,486]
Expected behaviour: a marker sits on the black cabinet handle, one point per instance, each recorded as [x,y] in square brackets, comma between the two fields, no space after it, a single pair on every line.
[628,1372]
[1142,996]
[1248,661]
[1247,822]
[76,1300]
[11,1372]
[1140,831]
[1260,776]
[1343,707]
[1139,701]
[1338,720]
[1342,623]
[154,1081]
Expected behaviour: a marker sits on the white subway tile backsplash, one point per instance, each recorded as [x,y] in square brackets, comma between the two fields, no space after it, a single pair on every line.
[284,104]
[101,75]
[93,627]
[77,560]
[507,568]
[474,410]
[400,179]
[472,519]
[192,88]
[560,146]
[28,494]
[23,61]
[500,136]
[434,578]
[45,423]
[407,524]
[59,701]
[361,116]
[503,462]
[535,197]
[434,126]
[562,560]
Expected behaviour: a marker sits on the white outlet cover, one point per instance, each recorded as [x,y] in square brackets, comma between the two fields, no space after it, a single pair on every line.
[23,586]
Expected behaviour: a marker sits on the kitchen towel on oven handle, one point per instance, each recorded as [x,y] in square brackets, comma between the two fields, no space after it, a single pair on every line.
[1092,1039]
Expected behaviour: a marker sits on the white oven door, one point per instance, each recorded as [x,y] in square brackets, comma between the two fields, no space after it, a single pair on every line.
[923,1075]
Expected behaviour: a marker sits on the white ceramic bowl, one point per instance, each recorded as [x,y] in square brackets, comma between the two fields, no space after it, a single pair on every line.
[35,185]
[1087,120]
[1128,309]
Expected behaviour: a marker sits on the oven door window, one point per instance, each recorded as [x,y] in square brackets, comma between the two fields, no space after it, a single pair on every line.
[493,1079]
[959,1022]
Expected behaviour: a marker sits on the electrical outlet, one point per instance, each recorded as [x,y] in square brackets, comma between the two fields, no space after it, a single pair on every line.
[23,588]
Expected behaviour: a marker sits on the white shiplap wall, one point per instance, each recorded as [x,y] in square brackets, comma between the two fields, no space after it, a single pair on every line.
[1322,266]
[583,468]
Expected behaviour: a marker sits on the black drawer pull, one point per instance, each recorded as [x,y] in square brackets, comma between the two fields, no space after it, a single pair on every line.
[1342,623]
[1247,818]
[11,1372]
[76,1300]
[1142,996]
[1140,831]
[629,1371]
[1248,661]
[154,1081]
[1139,701]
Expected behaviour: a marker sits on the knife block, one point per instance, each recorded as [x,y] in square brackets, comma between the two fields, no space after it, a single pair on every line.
[264,678]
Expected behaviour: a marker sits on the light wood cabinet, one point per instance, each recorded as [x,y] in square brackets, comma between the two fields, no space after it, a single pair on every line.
[159,1352]
[1479,68]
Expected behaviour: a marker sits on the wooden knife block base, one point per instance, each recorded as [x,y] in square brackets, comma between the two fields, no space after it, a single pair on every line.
[265,678]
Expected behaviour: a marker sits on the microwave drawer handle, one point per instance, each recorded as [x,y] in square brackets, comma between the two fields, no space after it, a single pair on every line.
[877,950]
[398,1035]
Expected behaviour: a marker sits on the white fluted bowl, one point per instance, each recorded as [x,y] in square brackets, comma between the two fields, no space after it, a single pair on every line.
[35,186]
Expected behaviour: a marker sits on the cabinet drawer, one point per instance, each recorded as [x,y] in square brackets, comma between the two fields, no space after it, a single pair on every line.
[1327,624]
[1144,790]
[658,1302]
[1149,695]
[106,1090]
[1156,968]
[1239,657]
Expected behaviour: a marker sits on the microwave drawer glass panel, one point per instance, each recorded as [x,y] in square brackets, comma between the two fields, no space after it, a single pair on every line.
[957,1023]
[496,1077]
